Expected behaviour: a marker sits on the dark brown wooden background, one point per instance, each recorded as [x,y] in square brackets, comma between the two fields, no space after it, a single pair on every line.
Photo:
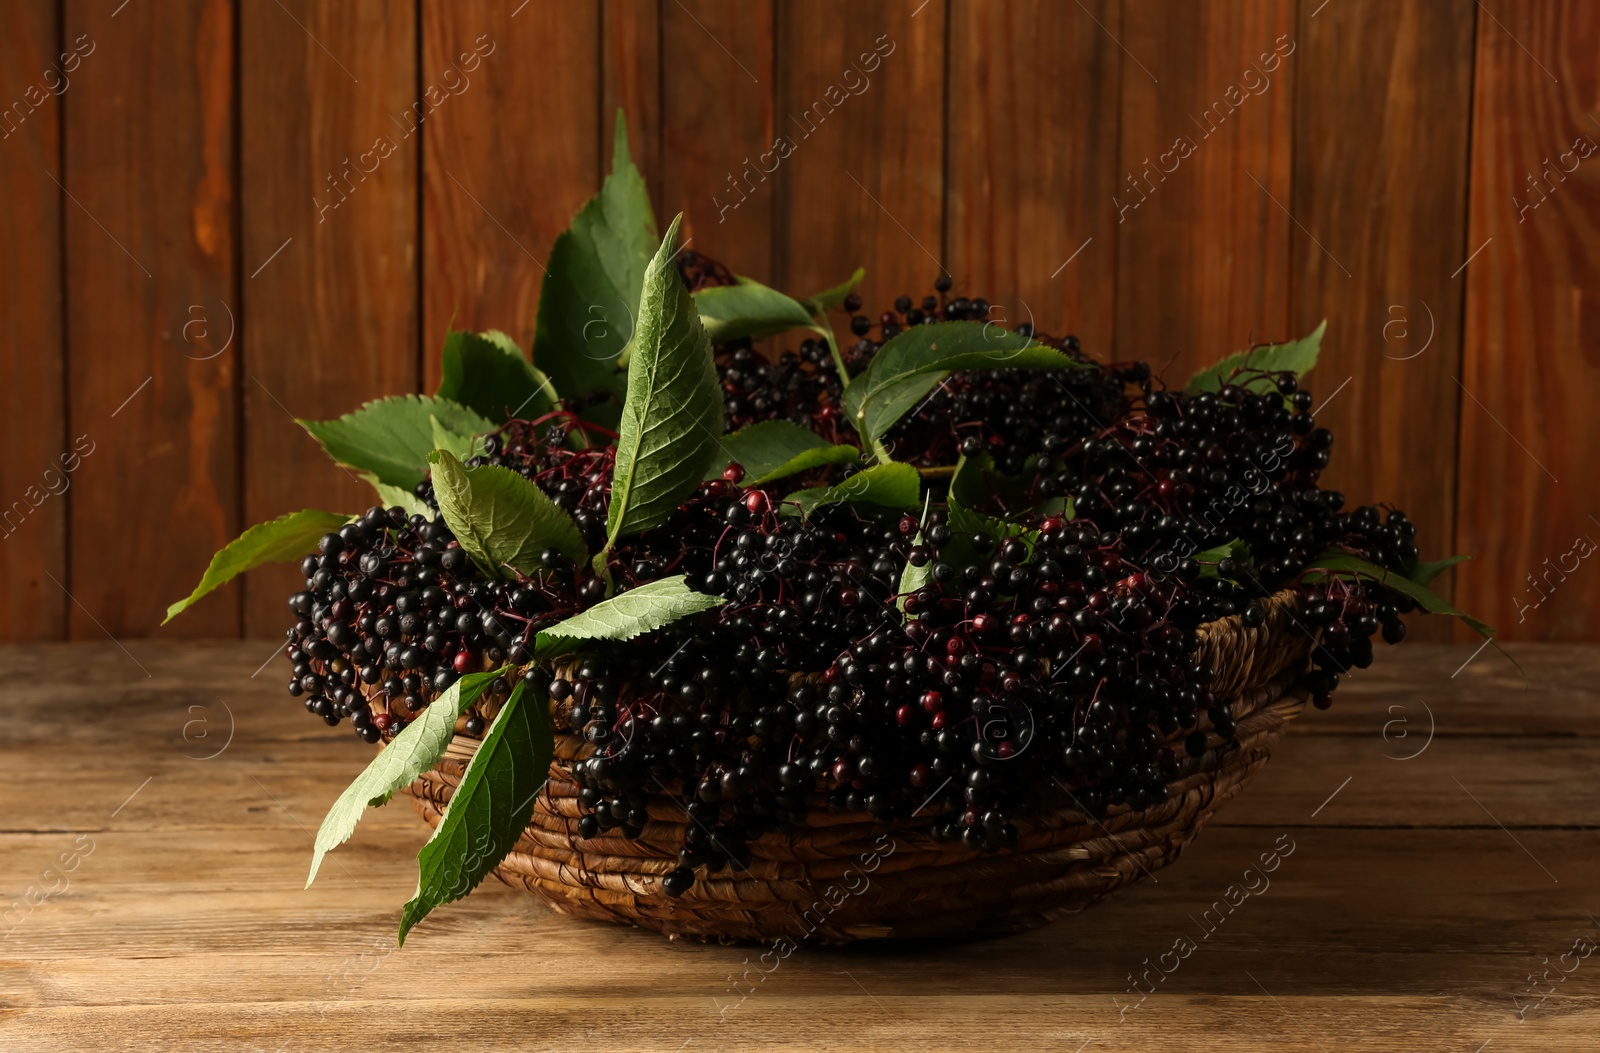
[170,292]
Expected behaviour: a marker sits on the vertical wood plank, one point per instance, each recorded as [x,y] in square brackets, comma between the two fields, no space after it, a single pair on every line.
[1013,226]
[1528,427]
[717,112]
[865,184]
[33,483]
[149,239]
[631,81]
[1380,180]
[507,162]
[329,183]
[1203,247]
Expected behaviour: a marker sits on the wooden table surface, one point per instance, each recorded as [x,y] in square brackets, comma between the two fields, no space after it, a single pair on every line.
[159,804]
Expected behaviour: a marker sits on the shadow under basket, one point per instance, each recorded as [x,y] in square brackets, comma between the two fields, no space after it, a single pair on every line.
[842,878]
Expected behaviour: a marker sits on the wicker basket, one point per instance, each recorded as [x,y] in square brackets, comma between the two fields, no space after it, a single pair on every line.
[842,878]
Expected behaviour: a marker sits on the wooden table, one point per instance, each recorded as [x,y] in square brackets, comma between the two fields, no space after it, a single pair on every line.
[176,792]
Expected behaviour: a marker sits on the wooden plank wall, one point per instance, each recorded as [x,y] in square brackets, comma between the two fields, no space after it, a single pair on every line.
[224,215]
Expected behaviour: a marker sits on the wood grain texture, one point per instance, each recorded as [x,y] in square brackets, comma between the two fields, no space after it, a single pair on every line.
[1203,240]
[865,184]
[717,113]
[329,177]
[506,162]
[33,508]
[189,798]
[1033,162]
[631,82]
[1527,463]
[1380,182]
[150,236]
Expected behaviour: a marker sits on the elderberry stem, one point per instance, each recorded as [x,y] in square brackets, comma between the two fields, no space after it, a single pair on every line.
[833,349]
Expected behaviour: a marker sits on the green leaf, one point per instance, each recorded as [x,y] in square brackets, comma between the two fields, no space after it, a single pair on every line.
[388,440]
[891,485]
[1297,357]
[413,751]
[748,308]
[1423,573]
[589,300]
[914,577]
[672,419]
[774,449]
[1235,550]
[407,500]
[463,446]
[500,518]
[1337,562]
[828,299]
[630,614]
[488,811]
[278,540]
[488,373]
[914,362]
[969,491]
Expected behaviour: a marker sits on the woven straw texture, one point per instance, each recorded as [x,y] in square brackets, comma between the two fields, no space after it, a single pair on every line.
[842,878]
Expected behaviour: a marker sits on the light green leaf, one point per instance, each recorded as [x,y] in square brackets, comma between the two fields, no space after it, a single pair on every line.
[413,751]
[630,614]
[488,373]
[891,485]
[914,577]
[589,300]
[672,419]
[489,810]
[914,362]
[500,518]
[387,441]
[748,308]
[406,500]
[1423,573]
[463,446]
[1337,562]
[773,449]
[828,299]
[278,540]
[1297,357]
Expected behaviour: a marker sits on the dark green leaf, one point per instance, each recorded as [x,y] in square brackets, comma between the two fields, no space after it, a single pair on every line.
[278,540]
[630,614]
[1297,356]
[971,486]
[774,449]
[748,308]
[589,301]
[914,577]
[413,751]
[1423,573]
[1336,562]
[387,441]
[891,485]
[828,299]
[488,811]
[914,362]
[672,419]
[488,373]
[500,518]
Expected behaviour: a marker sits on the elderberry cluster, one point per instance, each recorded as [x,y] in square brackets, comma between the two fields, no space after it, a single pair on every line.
[1029,650]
